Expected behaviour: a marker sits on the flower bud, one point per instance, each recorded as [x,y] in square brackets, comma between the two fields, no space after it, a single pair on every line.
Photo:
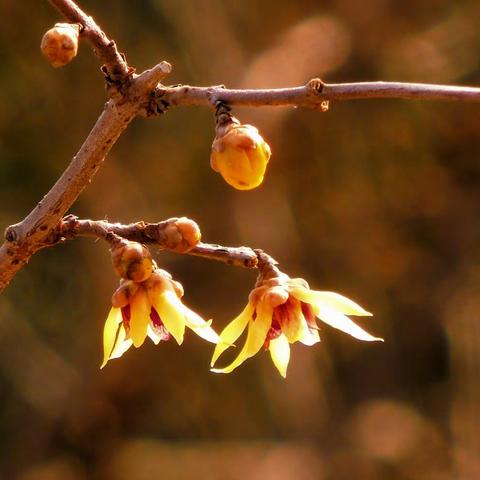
[240,155]
[177,234]
[132,260]
[60,43]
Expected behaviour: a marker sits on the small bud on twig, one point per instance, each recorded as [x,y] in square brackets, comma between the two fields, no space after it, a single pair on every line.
[60,44]
[177,234]
[131,260]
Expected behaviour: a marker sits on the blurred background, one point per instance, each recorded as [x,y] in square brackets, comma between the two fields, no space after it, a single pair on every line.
[378,200]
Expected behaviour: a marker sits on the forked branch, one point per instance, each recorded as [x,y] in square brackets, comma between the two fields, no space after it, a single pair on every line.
[134,95]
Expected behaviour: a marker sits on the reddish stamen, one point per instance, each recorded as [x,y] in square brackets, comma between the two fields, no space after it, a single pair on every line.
[158,325]
[309,316]
[274,332]
[155,318]
[126,317]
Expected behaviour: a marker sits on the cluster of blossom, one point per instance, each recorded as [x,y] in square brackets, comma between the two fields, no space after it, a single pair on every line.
[280,310]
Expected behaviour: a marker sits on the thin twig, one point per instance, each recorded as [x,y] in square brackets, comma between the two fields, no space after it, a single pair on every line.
[105,49]
[30,235]
[144,95]
[313,94]
[153,233]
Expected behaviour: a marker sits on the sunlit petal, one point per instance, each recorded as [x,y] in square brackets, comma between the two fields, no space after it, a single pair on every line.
[140,317]
[342,322]
[153,335]
[290,319]
[201,327]
[257,333]
[330,300]
[122,344]
[169,307]
[280,353]
[110,331]
[232,331]
[307,335]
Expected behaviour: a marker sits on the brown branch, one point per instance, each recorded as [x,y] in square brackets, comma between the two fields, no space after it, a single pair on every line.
[144,95]
[156,234]
[312,94]
[115,65]
[32,234]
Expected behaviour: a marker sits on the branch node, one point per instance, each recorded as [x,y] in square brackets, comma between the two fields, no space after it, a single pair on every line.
[267,267]
[11,234]
[149,79]
[316,85]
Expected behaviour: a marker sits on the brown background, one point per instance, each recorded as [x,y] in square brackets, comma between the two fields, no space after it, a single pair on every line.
[377,200]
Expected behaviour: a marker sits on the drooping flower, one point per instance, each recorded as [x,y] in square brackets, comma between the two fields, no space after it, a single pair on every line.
[150,308]
[281,311]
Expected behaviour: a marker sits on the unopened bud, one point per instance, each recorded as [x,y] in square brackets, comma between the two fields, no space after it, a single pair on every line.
[132,260]
[60,43]
[177,234]
[240,155]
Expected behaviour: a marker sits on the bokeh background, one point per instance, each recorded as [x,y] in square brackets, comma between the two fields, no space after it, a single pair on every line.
[378,200]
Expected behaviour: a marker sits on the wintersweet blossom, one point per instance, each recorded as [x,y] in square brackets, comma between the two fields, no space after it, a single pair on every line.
[150,308]
[282,311]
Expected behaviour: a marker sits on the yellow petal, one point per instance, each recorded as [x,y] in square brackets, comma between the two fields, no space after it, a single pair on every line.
[110,331]
[331,300]
[342,322]
[291,319]
[139,317]
[280,353]
[169,307]
[155,337]
[122,344]
[308,336]
[232,331]
[202,328]
[257,333]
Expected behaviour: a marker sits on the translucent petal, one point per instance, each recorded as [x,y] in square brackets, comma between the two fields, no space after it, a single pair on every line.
[139,317]
[170,309]
[280,353]
[330,300]
[290,318]
[110,331]
[257,333]
[307,335]
[232,331]
[342,322]
[122,344]
[154,336]
[199,325]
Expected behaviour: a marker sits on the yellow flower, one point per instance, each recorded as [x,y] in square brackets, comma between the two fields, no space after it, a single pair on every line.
[282,311]
[241,155]
[151,308]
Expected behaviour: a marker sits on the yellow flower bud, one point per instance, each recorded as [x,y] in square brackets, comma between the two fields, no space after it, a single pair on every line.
[60,43]
[240,155]
[132,260]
